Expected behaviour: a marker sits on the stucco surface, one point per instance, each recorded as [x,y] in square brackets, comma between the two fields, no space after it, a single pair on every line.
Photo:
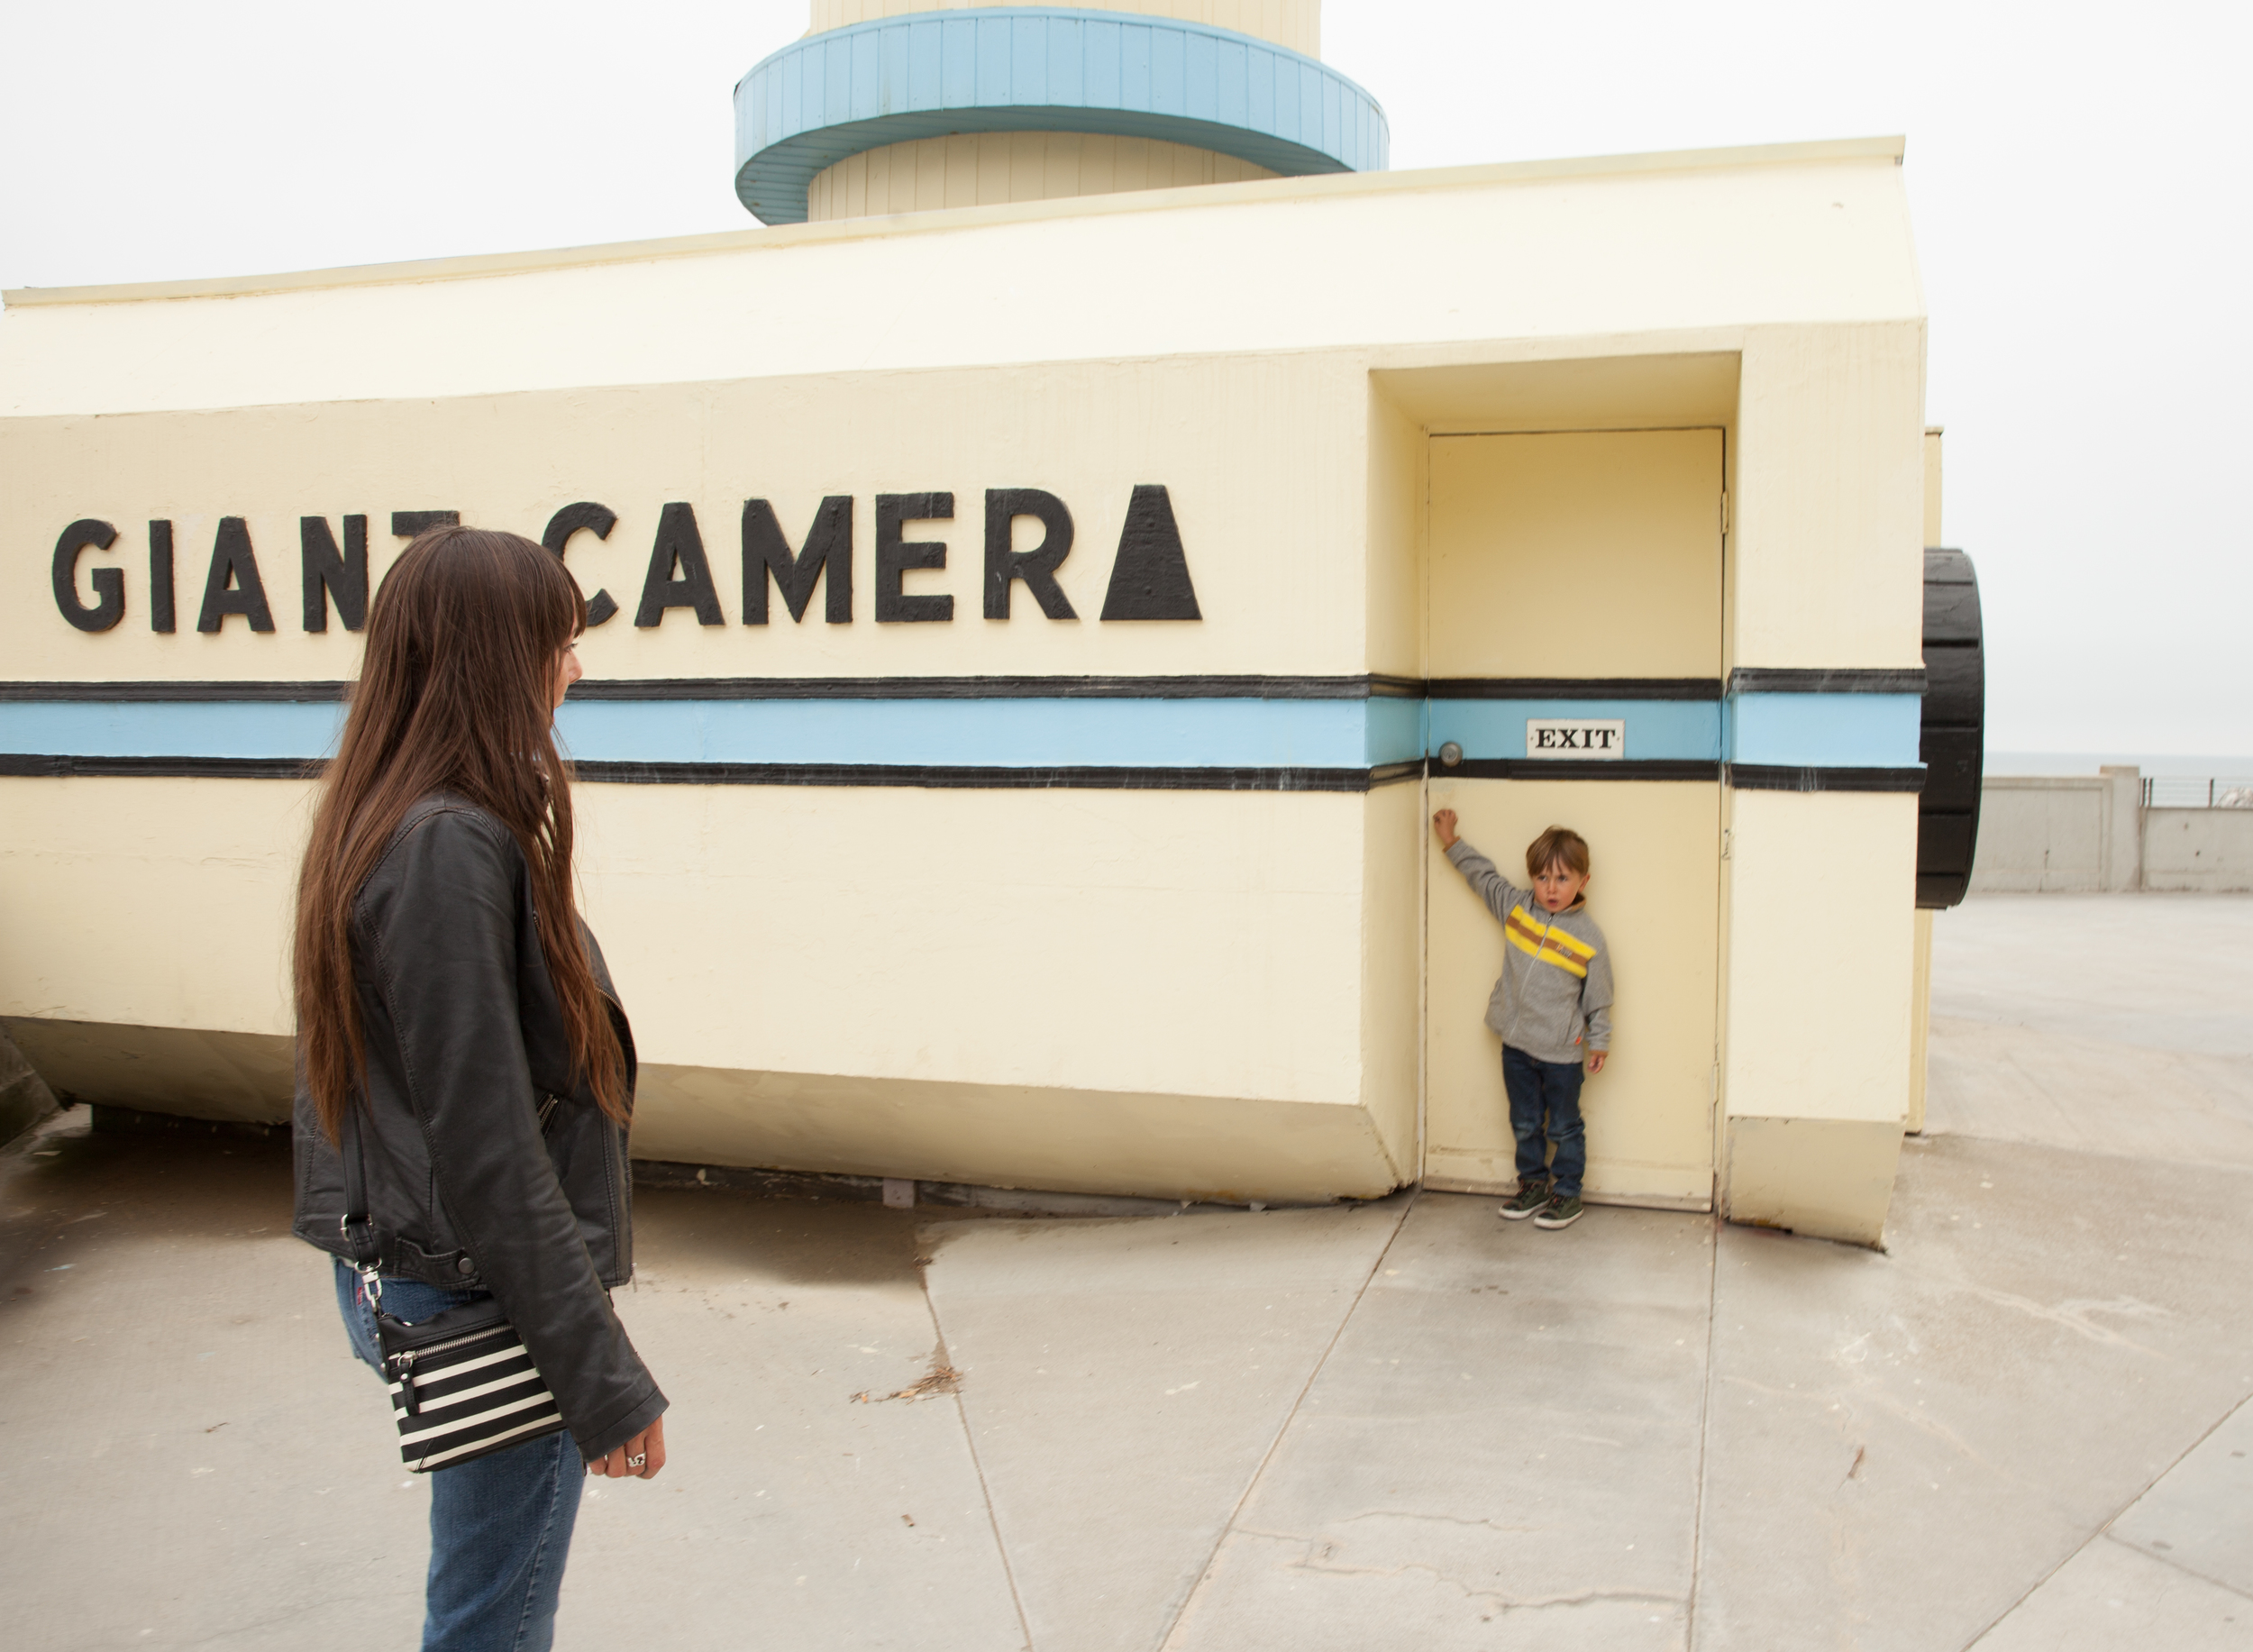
[1600,249]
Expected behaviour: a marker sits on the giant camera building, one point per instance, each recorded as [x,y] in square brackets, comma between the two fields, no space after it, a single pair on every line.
[1051,570]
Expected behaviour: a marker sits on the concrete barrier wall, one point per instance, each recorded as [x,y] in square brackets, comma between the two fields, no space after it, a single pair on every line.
[2090,833]
[2209,850]
[2067,834]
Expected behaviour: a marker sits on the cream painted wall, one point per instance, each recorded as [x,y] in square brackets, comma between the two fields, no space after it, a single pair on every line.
[1829,515]
[1392,971]
[1161,1147]
[1399,498]
[983,168]
[1482,264]
[1820,1022]
[1932,487]
[1295,24]
[162,902]
[1263,458]
[1655,848]
[1577,554]
[1199,943]
[1601,385]
[1164,1147]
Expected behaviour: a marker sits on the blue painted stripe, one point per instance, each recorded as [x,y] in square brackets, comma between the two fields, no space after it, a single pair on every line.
[1797,730]
[1657,730]
[1833,731]
[1020,732]
[173,728]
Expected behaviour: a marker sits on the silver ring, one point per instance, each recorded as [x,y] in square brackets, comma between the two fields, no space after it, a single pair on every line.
[636,1462]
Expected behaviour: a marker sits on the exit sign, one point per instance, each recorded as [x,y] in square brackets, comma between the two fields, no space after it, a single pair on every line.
[1581,737]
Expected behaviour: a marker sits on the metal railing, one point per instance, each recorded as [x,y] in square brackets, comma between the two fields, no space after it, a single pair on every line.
[2188,791]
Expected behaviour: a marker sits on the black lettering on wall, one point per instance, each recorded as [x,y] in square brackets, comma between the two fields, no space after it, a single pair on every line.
[1037,567]
[597,520]
[329,572]
[678,543]
[1150,578]
[233,585]
[108,583]
[408,524]
[896,556]
[160,612]
[828,547]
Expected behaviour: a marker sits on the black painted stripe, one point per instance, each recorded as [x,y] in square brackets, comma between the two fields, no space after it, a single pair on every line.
[1574,687]
[1793,679]
[923,775]
[50,766]
[1575,769]
[787,688]
[1777,776]
[1745,777]
[999,688]
[948,776]
[1745,680]
[159,693]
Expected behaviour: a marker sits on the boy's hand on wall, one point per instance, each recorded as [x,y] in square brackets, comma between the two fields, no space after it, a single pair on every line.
[1596,1060]
[1443,823]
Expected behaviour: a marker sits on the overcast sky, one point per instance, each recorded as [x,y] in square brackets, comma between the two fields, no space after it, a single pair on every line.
[2079,176]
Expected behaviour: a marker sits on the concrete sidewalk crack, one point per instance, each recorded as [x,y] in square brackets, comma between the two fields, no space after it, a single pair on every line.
[2105,1531]
[941,1360]
[1408,1514]
[1705,1432]
[1251,1485]
[2169,1560]
[1501,1599]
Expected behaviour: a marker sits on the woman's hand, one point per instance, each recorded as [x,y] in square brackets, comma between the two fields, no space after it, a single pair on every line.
[1443,823]
[639,1459]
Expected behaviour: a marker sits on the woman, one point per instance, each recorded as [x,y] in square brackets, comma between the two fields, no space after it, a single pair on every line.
[456,1025]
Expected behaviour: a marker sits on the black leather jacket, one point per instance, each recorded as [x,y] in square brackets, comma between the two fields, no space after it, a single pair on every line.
[486,1166]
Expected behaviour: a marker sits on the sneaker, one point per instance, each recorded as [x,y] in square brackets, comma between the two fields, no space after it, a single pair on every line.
[1530,1197]
[1560,1212]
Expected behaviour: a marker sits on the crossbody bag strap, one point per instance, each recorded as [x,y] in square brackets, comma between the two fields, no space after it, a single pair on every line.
[359,1233]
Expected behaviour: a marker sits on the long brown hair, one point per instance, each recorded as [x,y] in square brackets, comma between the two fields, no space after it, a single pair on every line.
[455,694]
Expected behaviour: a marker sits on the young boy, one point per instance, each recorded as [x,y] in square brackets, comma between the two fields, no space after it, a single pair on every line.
[1553,1000]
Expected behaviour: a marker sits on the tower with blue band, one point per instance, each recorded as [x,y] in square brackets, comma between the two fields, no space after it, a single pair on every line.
[846,92]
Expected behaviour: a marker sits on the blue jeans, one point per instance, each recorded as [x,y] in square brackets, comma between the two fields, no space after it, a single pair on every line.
[1544,1113]
[500,1526]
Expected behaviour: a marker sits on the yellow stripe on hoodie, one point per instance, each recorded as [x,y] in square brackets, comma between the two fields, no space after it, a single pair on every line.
[1554,946]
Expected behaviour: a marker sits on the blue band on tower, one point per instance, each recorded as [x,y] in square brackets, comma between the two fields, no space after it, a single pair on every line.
[1041,69]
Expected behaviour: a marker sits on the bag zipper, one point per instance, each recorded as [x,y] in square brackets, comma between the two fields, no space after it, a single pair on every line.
[404,1360]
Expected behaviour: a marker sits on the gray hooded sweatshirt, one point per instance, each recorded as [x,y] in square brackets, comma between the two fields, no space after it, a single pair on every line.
[1556,968]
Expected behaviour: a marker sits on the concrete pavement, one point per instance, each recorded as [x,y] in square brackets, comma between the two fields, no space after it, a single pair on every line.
[2024,1425]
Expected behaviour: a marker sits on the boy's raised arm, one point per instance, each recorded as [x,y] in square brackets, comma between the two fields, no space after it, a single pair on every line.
[1478,871]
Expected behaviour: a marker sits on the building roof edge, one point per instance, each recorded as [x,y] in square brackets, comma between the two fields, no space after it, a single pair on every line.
[480,265]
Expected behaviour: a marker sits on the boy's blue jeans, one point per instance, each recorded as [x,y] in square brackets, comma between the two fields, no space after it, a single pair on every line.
[1544,1113]
[500,1526]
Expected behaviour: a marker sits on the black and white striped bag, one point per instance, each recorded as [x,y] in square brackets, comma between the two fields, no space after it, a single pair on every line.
[462,1384]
